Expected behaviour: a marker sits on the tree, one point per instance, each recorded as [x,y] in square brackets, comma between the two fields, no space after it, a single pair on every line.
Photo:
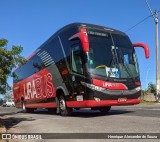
[9,59]
[151,88]
[8,96]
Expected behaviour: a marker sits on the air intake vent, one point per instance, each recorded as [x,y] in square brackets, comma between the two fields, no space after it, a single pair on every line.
[46,58]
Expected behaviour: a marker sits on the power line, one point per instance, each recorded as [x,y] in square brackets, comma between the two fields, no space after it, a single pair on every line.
[140,22]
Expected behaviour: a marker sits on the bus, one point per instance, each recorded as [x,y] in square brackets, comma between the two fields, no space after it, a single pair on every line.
[80,66]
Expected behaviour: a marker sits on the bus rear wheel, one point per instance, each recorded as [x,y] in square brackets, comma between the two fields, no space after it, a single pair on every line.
[104,110]
[64,110]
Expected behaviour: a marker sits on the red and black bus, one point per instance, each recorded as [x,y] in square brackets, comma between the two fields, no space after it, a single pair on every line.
[80,66]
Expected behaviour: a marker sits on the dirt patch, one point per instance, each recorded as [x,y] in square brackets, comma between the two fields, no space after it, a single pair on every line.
[148,97]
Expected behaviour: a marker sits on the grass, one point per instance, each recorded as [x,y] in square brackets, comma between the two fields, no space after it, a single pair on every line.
[148,103]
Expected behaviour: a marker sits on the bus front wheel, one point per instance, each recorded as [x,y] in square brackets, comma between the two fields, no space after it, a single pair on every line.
[64,110]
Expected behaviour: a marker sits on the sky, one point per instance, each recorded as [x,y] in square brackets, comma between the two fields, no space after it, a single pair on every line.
[29,23]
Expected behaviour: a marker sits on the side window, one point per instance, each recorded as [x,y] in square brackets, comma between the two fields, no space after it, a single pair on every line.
[37,64]
[76,60]
[53,52]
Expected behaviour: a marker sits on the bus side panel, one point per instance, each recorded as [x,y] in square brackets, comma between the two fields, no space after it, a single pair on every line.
[59,50]
[36,90]
[53,48]
[16,94]
[40,77]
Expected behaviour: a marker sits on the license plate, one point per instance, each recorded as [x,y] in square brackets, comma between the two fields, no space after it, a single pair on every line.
[121,100]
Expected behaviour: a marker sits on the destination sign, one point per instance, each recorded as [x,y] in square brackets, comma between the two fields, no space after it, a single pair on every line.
[97,33]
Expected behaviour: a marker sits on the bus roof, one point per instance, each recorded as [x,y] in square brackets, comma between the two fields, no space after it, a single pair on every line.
[84,25]
[77,25]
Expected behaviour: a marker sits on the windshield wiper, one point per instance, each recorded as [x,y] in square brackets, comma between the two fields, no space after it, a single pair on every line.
[124,63]
[122,60]
[128,70]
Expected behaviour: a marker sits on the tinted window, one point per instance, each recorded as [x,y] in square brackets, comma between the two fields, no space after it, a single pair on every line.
[65,35]
[122,41]
[54,50]
[76,59]
[49,53]
[37,63]
[34,65]
[111,57]
[100,50]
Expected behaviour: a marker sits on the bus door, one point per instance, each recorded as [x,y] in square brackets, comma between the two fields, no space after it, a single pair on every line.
[77,71]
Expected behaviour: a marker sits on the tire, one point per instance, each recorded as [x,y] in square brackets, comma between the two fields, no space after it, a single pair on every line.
[64,110]
[104,110]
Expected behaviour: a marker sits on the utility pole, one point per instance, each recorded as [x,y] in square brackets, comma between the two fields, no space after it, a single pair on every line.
[157,65]
[155,17]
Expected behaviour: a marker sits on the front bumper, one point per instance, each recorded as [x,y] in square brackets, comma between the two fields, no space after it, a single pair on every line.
[101,103]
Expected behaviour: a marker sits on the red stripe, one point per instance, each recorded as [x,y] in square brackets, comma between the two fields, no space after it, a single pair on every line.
[93,103]
[109,85]
[30,56]
[41,105]
[18,106]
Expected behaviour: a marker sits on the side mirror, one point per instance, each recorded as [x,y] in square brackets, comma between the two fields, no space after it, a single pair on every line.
[84,39]
[144,46]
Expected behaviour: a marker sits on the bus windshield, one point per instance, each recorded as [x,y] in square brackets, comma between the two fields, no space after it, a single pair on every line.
[111,55]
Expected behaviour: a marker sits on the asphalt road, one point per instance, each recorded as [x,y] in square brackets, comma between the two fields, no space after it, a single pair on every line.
[126,119]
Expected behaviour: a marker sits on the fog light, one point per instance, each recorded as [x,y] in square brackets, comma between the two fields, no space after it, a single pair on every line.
[138,89]
[97,99]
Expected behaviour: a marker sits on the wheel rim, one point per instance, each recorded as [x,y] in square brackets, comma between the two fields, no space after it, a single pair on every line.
[23,106]
[62,105]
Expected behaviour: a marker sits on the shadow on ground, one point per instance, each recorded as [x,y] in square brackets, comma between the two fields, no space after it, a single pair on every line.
[86,113]
[96,113]
[11,122]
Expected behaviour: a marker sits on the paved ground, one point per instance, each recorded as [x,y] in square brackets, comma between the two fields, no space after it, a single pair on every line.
[128,119]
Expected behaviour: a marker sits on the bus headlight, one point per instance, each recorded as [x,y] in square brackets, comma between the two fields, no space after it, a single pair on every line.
[93,87]
[138,89]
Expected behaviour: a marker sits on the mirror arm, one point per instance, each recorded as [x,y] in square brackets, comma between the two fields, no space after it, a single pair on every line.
[144,46]
[84,40]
